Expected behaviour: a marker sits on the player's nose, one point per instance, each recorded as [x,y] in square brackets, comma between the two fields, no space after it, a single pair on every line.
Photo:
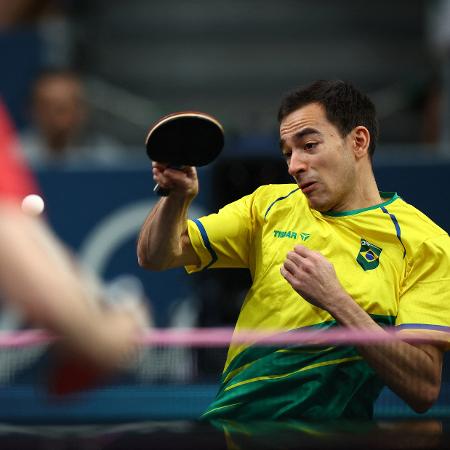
[297,164]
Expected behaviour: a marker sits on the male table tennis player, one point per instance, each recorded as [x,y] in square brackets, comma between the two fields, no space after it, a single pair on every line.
[329,250]
[38,277]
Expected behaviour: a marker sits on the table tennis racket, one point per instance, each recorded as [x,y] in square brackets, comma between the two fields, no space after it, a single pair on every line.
[186,138]
[70,374]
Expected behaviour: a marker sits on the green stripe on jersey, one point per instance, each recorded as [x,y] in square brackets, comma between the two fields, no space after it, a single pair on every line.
[298,382]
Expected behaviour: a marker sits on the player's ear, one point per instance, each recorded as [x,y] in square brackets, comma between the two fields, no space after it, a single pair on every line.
[360,141]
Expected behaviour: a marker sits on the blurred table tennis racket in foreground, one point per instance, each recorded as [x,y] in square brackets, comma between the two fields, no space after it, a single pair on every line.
[186,138]
[70,374]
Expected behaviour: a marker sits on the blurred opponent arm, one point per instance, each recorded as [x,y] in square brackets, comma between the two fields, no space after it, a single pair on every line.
[38,276]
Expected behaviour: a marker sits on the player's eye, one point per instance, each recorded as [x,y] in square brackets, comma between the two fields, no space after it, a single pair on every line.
[310,145]
[287,155]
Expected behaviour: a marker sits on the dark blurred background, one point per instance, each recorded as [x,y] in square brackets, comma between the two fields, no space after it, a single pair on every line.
[233,59]
[83,81]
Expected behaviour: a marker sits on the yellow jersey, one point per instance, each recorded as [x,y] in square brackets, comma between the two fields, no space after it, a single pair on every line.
[390,258]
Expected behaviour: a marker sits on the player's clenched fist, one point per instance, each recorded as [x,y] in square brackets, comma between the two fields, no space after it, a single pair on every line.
[179,180]
[312,276]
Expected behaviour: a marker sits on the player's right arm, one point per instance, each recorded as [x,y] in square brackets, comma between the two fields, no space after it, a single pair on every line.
[164,242]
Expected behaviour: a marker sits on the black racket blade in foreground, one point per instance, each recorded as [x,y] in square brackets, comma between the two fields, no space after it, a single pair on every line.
[185,138]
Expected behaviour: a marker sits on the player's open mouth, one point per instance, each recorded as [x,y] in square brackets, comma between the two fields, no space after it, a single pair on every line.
[308,187]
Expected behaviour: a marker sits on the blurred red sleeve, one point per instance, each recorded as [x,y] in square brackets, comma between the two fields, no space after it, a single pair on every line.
[16,179]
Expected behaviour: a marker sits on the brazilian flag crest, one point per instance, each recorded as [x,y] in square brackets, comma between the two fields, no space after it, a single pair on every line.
[369,255]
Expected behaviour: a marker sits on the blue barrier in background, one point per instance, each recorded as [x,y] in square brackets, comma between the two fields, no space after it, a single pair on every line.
[425,186]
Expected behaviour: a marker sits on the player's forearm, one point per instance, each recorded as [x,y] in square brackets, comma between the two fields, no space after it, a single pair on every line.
[40,280]
[160,243]
[412,372]
[105,337]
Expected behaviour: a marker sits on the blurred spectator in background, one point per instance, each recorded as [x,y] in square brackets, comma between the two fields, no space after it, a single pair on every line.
[60,134]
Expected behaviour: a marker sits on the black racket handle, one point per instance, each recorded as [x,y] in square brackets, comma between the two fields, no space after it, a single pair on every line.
[165,192]
[161,191]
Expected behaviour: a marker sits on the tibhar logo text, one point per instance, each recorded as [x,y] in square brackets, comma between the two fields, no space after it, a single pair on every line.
[285,234]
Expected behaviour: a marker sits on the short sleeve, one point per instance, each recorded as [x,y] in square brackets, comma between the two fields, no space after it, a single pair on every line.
[223,239]
[425,295]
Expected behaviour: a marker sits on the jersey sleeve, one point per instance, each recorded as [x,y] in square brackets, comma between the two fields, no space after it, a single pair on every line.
[425,296]
[223,239]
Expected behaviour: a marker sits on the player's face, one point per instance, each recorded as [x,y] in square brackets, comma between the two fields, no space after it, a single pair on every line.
[319,159]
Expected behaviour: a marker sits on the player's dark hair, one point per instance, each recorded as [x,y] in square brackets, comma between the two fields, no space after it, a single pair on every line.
[345,106]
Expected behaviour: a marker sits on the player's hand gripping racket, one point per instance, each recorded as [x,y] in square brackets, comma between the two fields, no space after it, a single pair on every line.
[186,138]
